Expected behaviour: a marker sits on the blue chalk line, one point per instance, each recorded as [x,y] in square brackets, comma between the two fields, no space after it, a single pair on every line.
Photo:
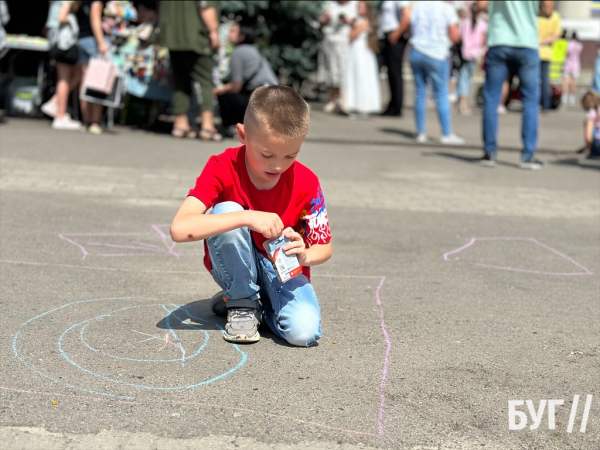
[84,324]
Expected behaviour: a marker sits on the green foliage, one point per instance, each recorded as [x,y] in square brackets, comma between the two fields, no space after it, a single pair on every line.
[287,33]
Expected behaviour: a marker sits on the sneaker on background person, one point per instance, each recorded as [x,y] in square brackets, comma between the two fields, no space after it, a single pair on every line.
[531,164]
[421,138]
[487,160]
[451,139]
[66,123]
[94,129]
[49,108]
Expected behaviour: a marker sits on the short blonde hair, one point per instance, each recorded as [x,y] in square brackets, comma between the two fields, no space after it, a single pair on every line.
[590,100]
[278,111]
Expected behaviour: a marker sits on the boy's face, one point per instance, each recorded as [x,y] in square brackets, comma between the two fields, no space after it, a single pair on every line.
[267,157]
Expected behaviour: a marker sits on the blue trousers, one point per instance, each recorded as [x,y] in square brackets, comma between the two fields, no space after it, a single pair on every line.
[435,71]
[525,63]
[290,309]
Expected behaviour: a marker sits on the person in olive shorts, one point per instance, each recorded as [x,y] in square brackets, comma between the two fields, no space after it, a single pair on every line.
[189,31]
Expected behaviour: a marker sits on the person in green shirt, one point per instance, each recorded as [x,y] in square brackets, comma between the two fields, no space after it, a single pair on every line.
[512,45]
[189,30]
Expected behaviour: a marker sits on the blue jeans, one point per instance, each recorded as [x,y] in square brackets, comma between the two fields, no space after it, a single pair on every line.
[545,79]
[425,68]
[465,76]
[525,63]
[596,81]
[88,48]
[290,309]
[595,151]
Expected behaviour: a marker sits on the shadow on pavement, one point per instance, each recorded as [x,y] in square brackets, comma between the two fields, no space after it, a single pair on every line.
[468,159]
[577,162]
[197,311]
[404,133]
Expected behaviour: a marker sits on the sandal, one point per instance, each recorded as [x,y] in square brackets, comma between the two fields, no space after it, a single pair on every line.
[181,133]
[207,135]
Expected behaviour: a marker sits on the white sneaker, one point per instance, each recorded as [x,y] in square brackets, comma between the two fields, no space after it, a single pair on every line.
[49,109]
[501,109]
[329,107]
[421,138]
[572,100]
[452,139]
[66,123]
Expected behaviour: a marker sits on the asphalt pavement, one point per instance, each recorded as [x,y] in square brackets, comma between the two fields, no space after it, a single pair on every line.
[461,301]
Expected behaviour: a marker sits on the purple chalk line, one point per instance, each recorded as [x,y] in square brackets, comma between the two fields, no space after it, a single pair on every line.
[585,272]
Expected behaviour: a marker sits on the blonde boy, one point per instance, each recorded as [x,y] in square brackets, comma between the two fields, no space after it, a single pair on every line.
[257,192]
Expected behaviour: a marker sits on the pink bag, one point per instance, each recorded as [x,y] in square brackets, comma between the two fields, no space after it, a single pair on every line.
[100,75]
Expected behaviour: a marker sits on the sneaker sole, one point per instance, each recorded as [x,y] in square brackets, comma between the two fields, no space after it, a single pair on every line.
[242,338]
[531,167]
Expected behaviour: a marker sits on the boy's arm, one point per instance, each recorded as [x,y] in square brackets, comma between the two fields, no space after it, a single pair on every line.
[317,254]
[192,224]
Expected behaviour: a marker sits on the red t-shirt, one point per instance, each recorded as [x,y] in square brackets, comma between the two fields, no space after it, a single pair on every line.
[297,198]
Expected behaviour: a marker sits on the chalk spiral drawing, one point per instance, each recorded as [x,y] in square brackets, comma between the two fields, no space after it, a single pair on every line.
[170,338]
[472,241]
[173,341]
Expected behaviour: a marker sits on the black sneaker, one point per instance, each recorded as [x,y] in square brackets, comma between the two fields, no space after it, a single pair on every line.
[487,160]
[242,325]
[532,164]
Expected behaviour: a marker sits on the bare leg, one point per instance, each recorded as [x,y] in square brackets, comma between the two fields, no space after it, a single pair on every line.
[181,122]
[62,89]
[504,96]
[208,122]
[85,106]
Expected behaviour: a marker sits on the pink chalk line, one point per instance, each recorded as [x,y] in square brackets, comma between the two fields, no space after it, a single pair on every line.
[385,361]
[200,404]
[586,271]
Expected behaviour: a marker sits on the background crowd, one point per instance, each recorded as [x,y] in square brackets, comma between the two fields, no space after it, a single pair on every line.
[208,58]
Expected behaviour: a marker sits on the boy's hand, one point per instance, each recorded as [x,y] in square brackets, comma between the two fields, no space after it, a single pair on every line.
[296,247]
[267,224]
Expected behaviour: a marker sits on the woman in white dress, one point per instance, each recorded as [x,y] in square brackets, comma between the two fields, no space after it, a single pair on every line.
[361,87]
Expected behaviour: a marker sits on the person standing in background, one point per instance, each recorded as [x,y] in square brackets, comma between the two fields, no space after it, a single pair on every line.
[190,31]
[473,33]
[571,70]
[68,74]
[548,32]
[336,20]
[513,45]
[596,77]
[434,24]
[394,22]
[363,92]
[4,19]
[91,43]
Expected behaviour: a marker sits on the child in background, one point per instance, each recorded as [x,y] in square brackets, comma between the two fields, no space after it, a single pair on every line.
[258,192]
[363,94]
[591,104]
[473,32]
[571,70]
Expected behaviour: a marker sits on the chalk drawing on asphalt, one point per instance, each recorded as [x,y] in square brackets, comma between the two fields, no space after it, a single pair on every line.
[133,355]
[527,240]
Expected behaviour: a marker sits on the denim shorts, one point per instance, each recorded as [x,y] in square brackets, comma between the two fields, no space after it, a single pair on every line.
[88,48]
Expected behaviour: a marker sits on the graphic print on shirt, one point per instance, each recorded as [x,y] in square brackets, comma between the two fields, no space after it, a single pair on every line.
[315,224]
